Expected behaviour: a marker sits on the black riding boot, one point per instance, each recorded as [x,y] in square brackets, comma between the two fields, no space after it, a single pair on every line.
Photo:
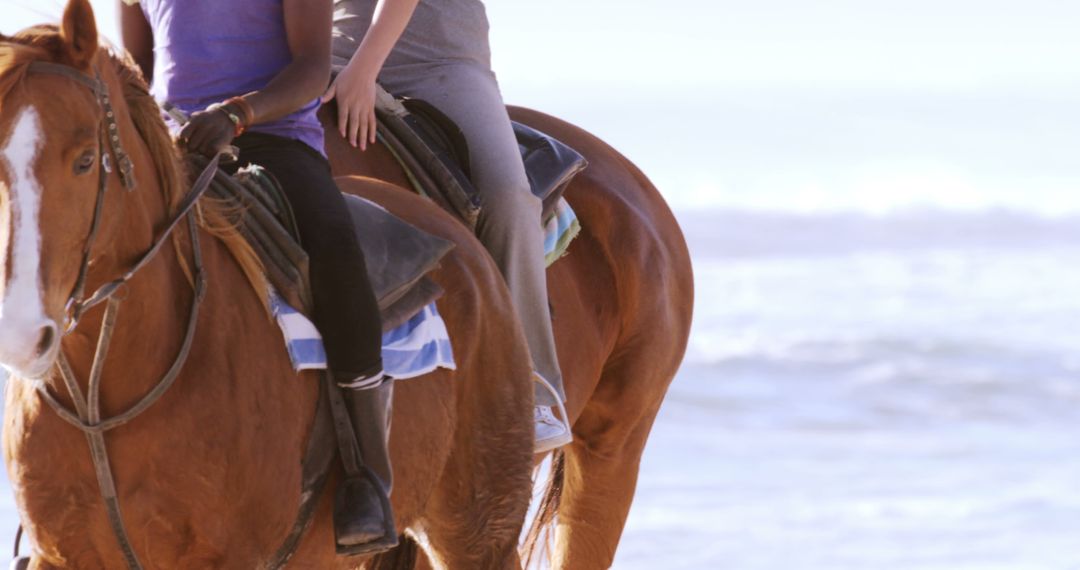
[363,519]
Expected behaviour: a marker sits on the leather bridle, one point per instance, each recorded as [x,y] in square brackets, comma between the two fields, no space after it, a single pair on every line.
[87,413]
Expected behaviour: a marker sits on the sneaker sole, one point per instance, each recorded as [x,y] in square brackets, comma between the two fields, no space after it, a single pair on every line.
[546,445]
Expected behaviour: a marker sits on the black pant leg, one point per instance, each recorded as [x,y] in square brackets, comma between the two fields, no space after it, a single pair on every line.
[346,311]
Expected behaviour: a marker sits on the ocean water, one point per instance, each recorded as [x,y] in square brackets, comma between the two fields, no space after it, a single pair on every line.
[894,391]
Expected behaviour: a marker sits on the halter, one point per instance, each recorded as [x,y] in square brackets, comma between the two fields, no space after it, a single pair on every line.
[87,414]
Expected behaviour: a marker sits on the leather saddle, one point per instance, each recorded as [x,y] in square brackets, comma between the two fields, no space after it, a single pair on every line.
[398,255]
[433,149]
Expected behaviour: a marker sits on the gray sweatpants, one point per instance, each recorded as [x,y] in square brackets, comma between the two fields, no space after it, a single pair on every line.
[459,82]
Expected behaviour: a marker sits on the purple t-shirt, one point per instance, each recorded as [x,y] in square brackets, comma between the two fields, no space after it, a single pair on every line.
[206,51]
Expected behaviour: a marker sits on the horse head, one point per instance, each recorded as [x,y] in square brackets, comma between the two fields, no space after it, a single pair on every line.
[53,159]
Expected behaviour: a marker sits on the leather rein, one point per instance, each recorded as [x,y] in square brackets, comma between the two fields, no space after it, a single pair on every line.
[87,413]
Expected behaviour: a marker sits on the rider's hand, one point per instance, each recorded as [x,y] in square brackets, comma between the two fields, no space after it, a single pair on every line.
[207,132]
[354,90]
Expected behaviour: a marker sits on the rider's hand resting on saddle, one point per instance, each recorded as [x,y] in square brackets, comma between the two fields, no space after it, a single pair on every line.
[354,87]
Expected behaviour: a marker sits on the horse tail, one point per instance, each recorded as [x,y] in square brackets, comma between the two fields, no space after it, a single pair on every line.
[401,557]
[538,541]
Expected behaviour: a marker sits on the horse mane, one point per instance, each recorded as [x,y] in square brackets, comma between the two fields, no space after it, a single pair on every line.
[15,57]
[219,218]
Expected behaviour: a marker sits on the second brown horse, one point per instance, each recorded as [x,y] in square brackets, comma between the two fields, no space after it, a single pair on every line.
[622,301]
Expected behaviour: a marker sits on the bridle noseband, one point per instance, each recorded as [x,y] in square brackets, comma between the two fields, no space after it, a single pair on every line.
[87,414]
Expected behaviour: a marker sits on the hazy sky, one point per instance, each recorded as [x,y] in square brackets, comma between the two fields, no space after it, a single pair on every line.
[831,104]
[939,44]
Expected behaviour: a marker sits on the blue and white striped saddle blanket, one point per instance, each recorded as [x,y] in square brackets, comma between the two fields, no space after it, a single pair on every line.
[415,348]
[422,344]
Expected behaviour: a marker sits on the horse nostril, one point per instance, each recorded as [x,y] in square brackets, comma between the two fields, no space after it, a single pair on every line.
[45,341]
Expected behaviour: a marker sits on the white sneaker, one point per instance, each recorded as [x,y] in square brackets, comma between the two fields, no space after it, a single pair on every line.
[551,432]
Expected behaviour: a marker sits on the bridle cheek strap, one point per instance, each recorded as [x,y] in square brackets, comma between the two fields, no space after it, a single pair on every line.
[108,138]
[87,414]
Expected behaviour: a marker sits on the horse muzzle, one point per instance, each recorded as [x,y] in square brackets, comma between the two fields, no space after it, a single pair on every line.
[28,348]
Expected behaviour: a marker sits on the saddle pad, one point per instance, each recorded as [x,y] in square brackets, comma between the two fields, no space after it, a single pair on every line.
[415,348]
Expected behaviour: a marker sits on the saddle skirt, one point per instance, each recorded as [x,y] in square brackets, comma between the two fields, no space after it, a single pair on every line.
[433,151]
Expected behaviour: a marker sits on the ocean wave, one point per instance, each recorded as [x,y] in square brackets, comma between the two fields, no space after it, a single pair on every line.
[861,384]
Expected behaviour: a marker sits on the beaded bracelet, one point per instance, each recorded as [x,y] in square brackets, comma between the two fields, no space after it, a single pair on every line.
[238,125]
[245,109]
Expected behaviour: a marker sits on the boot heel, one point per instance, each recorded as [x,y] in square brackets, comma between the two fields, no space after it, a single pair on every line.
[361,524]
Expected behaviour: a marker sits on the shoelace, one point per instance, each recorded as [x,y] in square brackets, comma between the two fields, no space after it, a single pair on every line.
[544,414]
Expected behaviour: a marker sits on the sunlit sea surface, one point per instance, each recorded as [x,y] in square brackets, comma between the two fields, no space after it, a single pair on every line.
[867,392]
[890,392]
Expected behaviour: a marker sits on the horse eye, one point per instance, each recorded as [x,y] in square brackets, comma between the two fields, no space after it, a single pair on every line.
[85,162]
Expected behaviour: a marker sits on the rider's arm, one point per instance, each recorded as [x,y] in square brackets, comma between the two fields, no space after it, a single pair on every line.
[137,36]
[307,25]
[354,87]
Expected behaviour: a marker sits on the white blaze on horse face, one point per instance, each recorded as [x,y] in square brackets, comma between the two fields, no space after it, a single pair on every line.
[22,315]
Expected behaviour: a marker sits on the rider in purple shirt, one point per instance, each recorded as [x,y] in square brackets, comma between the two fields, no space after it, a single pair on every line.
[249,73]
[203,56]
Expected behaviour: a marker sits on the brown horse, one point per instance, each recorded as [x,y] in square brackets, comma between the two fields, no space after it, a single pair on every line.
[209,476]
[219,452]
[622,301]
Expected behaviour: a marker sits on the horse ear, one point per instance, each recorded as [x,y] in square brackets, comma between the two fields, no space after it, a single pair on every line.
[79,32]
